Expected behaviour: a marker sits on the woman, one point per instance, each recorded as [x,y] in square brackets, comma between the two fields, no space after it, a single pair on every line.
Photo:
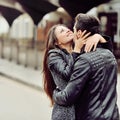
[58,62]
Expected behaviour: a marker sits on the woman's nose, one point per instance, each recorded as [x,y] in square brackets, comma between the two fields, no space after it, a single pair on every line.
[68,30]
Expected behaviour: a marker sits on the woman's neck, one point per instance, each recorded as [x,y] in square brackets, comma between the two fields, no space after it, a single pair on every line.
[68,47]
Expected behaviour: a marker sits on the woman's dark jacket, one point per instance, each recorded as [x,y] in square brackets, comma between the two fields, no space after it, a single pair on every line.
[60,63]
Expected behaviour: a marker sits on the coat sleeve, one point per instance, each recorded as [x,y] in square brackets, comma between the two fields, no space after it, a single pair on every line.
[108,44]
[61,66]
[81,73]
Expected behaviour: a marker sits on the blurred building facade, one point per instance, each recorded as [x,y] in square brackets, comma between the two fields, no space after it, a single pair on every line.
[23,35]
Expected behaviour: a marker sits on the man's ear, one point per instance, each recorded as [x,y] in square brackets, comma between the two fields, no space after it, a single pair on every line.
[79,33]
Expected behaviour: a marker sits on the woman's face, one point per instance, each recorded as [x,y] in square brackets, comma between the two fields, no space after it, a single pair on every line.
[64,35]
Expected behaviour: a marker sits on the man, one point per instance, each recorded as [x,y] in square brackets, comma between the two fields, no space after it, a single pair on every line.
[92,86]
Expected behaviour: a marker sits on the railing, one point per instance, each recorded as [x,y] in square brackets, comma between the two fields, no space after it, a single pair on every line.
[28,53]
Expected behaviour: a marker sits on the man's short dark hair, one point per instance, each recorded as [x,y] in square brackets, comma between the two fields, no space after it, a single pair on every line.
[87,22]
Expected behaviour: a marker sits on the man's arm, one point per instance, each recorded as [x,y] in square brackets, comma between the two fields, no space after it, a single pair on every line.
[80,75]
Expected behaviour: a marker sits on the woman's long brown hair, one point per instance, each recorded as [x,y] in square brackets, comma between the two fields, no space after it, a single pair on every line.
[48,82]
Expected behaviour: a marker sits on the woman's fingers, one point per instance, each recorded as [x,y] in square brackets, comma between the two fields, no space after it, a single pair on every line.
[88,47]
[85,34]
[95,46]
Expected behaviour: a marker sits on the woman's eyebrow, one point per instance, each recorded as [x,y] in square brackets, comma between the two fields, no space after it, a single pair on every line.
[61,30]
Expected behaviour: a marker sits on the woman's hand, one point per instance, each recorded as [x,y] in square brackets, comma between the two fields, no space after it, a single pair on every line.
[92,41]
[80,41]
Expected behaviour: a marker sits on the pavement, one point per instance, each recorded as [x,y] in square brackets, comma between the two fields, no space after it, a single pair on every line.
[21,102]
